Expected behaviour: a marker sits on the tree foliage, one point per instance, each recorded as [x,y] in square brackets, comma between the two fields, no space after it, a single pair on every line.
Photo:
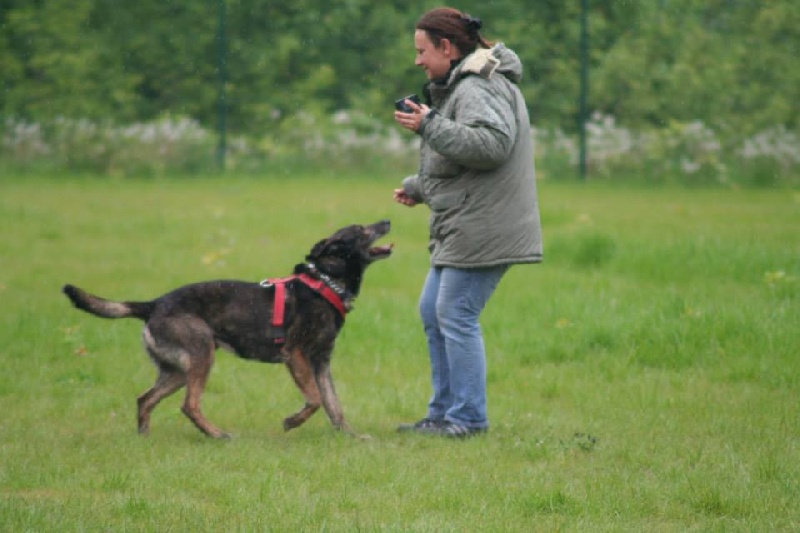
[729,63]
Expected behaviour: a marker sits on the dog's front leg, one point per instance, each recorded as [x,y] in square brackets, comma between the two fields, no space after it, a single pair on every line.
[303,377]
[330,401]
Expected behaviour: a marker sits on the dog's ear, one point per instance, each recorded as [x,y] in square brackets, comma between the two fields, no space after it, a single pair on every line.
[316,250]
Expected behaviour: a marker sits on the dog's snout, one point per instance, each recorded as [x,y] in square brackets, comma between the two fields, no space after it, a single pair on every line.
[382,226]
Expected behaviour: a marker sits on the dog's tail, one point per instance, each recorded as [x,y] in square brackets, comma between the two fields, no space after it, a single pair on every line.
[107,308]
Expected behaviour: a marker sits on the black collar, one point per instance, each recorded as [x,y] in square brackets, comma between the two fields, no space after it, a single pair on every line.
[312,269]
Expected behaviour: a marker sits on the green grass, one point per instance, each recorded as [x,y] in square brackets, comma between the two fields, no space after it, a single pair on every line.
[645,377]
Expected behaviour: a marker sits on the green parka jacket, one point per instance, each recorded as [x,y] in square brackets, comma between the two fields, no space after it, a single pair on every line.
[476,171]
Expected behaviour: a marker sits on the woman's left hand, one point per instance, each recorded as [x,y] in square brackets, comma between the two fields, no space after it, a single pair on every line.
[411,121]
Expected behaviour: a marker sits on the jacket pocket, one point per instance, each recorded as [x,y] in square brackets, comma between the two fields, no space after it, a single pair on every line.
[447,200]
[445,208]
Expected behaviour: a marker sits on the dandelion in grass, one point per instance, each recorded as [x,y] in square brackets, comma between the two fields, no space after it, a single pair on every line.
[70,332]
[690,312]
[216,257]
[73,337]
[774,278]
[563,323]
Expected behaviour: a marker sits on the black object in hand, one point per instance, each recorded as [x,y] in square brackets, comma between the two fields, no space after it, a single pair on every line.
[401,105]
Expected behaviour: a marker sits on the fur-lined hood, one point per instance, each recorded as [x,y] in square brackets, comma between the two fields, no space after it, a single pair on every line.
[487,62]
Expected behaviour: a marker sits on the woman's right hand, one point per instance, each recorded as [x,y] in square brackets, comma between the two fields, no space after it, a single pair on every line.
[411,121]
[401,197]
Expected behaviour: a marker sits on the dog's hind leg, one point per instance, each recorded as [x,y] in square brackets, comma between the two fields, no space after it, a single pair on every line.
[171,375]
[168,381]
[303,376]
[196,377]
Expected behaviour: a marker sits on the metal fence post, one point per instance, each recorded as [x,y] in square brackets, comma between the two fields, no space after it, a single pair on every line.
[584,85]
[221,80]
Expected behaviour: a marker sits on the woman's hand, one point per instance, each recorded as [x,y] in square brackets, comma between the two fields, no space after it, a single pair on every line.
[411,121]
[401,197]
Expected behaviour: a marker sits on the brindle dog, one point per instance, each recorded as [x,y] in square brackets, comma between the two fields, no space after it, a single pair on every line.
[183,328]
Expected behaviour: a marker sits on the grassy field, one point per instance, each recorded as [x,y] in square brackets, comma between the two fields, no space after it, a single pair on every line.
[645,377]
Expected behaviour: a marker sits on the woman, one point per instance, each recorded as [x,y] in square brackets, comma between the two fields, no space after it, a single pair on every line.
[476,175]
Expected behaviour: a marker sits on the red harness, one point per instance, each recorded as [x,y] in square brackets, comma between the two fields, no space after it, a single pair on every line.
[279,300]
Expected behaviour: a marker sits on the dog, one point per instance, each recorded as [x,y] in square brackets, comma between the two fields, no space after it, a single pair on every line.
[293,320]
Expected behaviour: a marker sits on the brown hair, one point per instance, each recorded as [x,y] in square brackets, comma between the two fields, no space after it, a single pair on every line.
[457,27]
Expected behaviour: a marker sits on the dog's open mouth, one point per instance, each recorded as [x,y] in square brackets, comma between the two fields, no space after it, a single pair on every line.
[380,252]
[375,232]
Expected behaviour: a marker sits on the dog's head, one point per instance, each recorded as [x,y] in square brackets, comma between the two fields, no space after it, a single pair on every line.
[346,254]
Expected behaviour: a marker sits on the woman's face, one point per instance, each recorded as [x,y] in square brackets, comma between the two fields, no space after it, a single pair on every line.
[434,61]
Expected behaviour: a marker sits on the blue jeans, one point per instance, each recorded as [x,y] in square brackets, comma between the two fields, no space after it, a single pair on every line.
[450,305]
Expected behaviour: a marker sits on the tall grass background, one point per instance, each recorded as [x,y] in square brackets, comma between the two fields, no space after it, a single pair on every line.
[644,377]
[687,153]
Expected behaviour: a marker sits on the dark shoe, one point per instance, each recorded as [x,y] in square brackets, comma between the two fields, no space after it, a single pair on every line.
[420,425]
[451,431]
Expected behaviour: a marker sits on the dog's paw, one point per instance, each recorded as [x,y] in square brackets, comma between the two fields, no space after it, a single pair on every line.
[347,430]
[290,423]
